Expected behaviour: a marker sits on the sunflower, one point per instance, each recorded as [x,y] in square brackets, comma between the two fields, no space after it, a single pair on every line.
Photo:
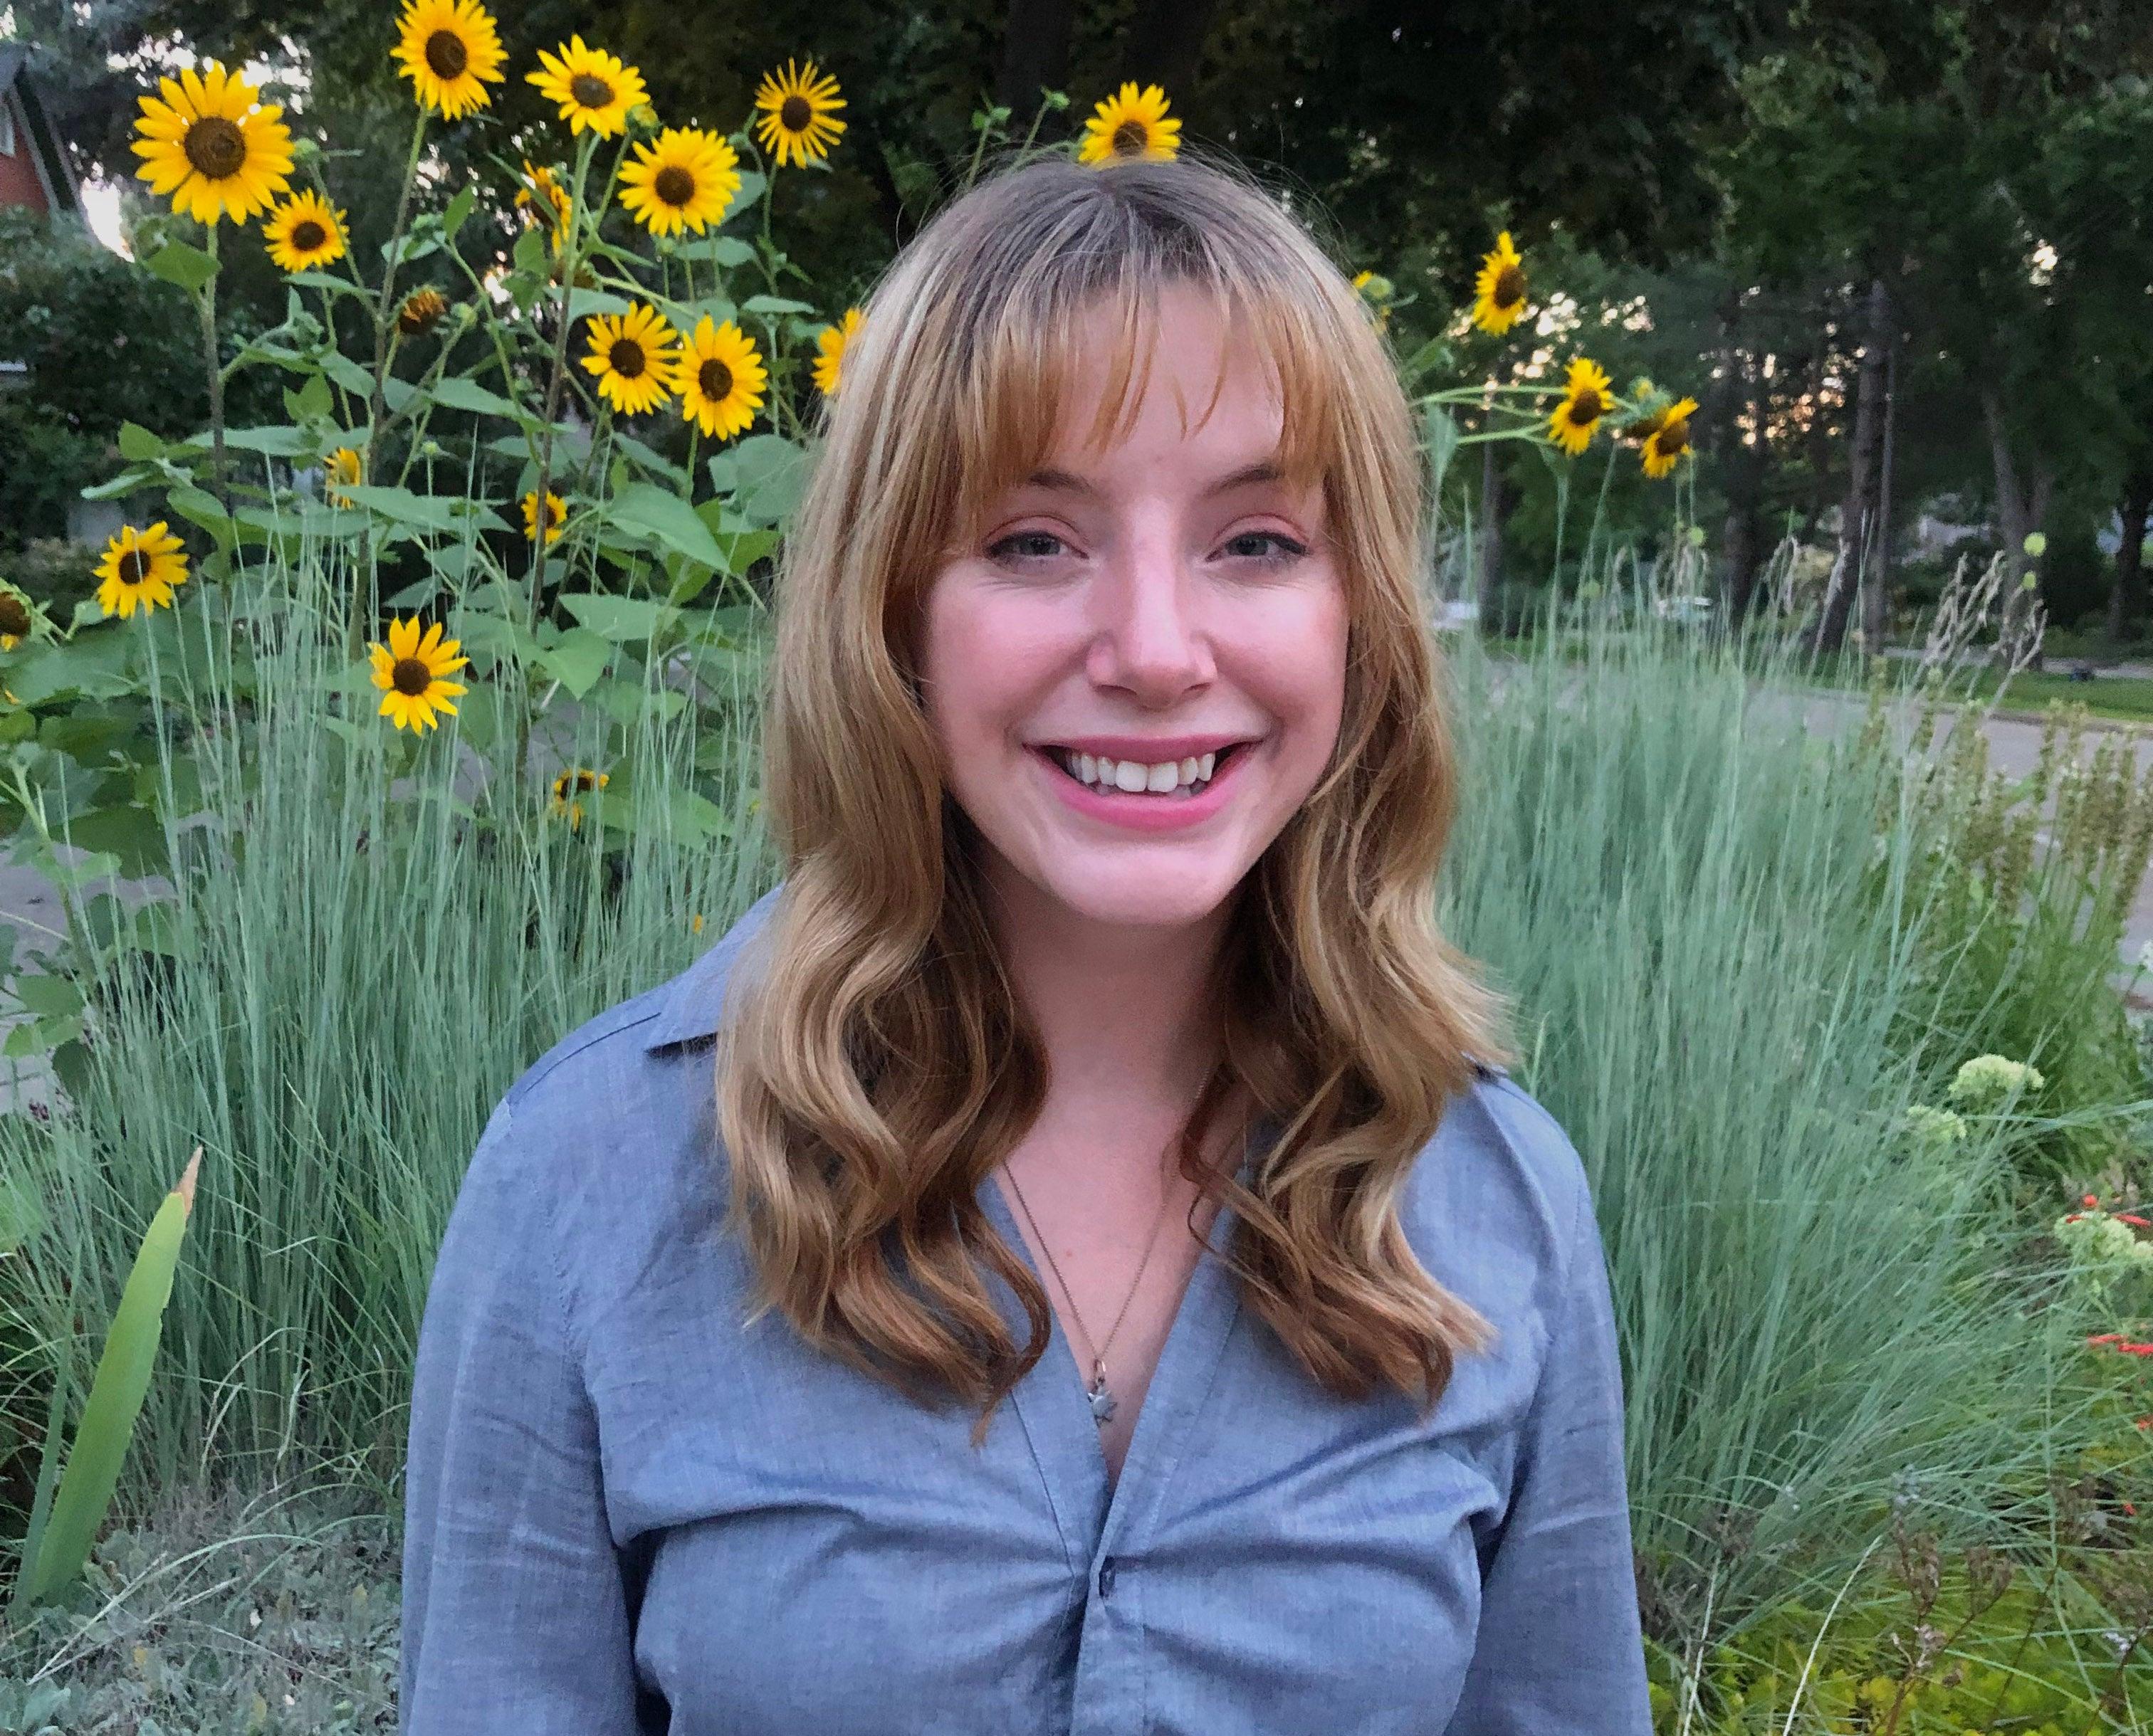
[1131,125]
[799,106]
[412,674]
[420,311]
[832,342]
[303,232]
[545,199]
[634,357]
[593,87]
[451,52]
[207,147]
[556,516]
[1498,293]
[577,780]
[720,379]
[140,567]
[15,617]
[1667,437]
[685,180]
[1584,401]
[1374,293]
[343,468]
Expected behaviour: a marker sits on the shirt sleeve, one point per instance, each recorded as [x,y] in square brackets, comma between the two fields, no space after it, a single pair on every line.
[515,1608]
[1559,1652]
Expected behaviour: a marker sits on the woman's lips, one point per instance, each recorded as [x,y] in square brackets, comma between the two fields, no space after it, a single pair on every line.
[1140,811]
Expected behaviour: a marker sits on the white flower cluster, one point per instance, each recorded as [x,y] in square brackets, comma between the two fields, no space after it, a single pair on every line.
[2097,1239]
[1930,1126]
[1987,1080]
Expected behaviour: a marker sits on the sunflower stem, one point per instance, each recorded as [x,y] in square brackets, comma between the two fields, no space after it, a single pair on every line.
[381,322]
[570,253]
[207,303]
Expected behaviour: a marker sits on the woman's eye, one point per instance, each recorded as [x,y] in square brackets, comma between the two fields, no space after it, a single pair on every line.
[1027,545]
[1274,548]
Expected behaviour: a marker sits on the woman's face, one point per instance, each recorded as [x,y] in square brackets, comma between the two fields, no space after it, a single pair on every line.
[1136,667]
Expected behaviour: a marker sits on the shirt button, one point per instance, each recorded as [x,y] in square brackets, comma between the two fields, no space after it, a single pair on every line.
[1106,1577]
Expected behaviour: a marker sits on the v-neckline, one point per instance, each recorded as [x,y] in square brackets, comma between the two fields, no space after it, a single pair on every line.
[1094,1509]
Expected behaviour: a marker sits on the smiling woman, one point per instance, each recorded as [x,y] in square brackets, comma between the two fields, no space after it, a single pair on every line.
[1107,755]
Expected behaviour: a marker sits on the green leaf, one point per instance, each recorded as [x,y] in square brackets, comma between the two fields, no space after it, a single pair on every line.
[1439,430]
[329,281]
[126,483]
[666,519]
[115,1400]
[582,303]
[529,255]
[764,474]
[724,251]
[425,512]
[618,619]
[275,441]
[138,445]
[199,507]
[457,393]
[775,304]
[347,374]
[47,997]
[459,210]
[133,834]
[576,659]
[176,262]
[314,398]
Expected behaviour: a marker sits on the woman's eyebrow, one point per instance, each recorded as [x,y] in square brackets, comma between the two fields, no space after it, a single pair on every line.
[1067,482]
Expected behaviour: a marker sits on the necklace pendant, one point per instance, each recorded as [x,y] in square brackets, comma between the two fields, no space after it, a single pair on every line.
[1102,1402]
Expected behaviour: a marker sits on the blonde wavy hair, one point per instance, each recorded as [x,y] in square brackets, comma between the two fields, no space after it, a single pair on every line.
[875,1063]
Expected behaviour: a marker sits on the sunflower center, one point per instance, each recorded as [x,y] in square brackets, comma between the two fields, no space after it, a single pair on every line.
[1587,407]
[717,380]
[410,678]
[1130,138]
[1672,440]
[578,782]
[795,112]
[308,235]
[1509,286]
[134,567]
[14,619]
[674,186]
[626,358]
[590,91]
[215,148]
[447,55]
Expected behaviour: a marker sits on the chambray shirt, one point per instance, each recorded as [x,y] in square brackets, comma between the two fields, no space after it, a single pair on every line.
[628,1512]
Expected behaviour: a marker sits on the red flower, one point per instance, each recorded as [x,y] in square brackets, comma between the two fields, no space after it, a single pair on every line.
[2136,1222]
[2090,1200]
[2106,1339]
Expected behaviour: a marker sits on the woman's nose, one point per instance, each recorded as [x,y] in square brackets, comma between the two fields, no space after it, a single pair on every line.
[1149,638]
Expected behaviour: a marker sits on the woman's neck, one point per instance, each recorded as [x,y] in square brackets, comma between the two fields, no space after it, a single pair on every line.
[1130,1012]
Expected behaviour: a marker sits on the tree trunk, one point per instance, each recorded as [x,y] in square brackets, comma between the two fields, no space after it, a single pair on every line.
[1492,508]
[1857,511]
[2020,508]
[1742,472]
[1165,38]
[2126,597]
[1035,56]
[1877,613]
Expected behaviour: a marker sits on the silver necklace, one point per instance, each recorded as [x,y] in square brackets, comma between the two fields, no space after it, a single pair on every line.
[1102,1401]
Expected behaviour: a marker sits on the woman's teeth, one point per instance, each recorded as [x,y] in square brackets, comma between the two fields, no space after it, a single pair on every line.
[1169,777]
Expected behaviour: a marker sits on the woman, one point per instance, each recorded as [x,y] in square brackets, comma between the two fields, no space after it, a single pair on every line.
[1099,1053]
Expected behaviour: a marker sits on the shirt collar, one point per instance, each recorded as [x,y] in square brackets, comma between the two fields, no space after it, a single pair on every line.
[693,1003]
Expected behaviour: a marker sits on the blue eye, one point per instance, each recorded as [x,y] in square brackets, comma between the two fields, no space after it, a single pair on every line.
[1273,548]
[1026,545]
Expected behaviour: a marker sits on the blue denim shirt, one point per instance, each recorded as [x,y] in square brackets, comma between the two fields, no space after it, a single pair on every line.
[628,1512]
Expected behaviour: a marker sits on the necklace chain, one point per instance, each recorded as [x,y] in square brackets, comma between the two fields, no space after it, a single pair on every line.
[1102,1401]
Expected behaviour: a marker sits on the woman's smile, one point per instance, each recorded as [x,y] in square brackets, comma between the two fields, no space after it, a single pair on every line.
[1144,793]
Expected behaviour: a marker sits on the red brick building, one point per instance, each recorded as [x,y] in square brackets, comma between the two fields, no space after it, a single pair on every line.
[34,170]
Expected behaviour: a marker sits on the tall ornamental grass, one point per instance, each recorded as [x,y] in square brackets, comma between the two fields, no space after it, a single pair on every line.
[1717,952]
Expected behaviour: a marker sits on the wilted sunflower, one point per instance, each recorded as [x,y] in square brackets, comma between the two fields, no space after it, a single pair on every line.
[557,515]
[595,90]
[207,146]
[634,357]
[420,311]
[545,199]
[577,780]
[303,232]
[799,106]
[15,617]
[140,568]
[1130,124]
[685,180]
[1498,293]
[832,343]
[412,673]
[451,52]
[1667,437]
[343,468]
[1584,401]
[721,379]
